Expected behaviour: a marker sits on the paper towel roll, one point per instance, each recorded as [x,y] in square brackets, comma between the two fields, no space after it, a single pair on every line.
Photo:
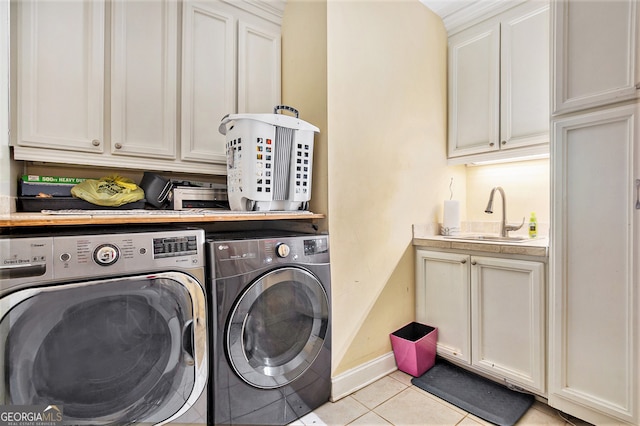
[451,216]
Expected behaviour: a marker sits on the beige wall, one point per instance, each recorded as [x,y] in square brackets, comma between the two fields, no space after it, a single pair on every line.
[304,83]
[387,103]
[383,129]
[527,187]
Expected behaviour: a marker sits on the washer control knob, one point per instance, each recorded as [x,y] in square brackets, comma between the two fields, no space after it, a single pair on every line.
[282,250]
[106,254]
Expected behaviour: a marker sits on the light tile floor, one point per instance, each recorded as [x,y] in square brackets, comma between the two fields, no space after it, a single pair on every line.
[393,400]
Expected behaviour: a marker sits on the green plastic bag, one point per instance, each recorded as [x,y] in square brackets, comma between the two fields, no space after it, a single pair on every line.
[111,191]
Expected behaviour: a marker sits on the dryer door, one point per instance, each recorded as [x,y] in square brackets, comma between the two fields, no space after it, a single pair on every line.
[277,327]
[112,351]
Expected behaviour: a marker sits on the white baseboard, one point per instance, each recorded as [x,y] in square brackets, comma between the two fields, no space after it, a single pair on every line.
[357,378]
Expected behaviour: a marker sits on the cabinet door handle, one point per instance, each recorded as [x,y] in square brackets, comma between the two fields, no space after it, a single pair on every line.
[463,261]
[118,145]
[473,262]
[504,142]
[95,142]
[637,194]
[491,144]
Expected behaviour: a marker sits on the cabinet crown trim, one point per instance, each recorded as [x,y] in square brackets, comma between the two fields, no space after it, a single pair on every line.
[272,10]
[460,15]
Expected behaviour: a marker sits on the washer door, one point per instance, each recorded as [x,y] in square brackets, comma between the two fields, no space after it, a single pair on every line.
[112,351]
[277,327]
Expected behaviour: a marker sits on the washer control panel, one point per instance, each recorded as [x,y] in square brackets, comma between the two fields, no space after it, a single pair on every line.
[58,257]
[174,246]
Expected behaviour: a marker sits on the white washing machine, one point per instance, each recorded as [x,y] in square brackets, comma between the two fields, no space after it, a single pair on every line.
[270,327]
[105,326]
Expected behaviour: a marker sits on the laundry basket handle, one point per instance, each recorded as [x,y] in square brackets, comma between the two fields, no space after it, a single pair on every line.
[286,108]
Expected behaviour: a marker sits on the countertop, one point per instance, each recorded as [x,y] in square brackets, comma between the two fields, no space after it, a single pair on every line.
[538,247]
[148,217]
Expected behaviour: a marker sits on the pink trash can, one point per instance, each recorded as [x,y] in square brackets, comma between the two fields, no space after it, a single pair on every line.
[414,347]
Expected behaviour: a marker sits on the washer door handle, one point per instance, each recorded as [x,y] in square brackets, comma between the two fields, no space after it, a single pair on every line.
[22,271]
[187,343]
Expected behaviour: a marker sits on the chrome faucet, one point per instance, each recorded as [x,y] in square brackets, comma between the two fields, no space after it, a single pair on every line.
[504,228]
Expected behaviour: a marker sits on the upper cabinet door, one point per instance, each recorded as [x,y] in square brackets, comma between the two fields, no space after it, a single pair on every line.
[144,66]
[259,66]
[60,75]
[474,90]
[596,52]
[208,78]
[524,67]
[499,86]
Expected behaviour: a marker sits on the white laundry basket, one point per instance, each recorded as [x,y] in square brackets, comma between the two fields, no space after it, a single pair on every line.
[269,160]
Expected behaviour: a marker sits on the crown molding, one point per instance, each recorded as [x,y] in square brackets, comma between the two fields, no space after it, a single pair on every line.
[273,10]
[460,14]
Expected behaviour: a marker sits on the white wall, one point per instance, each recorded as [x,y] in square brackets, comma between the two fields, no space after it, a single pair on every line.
[6,166]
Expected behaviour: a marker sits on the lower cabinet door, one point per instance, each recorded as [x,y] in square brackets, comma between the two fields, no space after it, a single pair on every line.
[507,320]
[442,300]
[594,353]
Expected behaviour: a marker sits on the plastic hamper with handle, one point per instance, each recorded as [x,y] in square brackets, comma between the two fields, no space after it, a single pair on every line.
[269,160]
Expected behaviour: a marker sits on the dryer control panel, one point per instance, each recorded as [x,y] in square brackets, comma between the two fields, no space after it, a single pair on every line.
[252,254]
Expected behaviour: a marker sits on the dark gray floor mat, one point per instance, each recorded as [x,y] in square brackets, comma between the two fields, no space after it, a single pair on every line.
[475,394]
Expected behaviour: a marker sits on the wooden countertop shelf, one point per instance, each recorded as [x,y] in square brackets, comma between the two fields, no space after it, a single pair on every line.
[148,217]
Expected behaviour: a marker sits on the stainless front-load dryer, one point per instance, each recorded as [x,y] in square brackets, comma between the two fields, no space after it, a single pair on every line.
[104,326]
[270,327]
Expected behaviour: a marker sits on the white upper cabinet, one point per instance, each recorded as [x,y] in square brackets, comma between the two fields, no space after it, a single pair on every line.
[216,37]
[208,78]
[258,66]
[608,30]
[170,77]
[474,90]
[524,71]
[499,86]
[144,69]
[60,75]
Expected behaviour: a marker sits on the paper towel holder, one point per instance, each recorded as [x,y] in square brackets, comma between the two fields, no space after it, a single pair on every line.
[448,231]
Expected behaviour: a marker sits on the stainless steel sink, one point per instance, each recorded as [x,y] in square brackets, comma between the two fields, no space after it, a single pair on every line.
[497,238]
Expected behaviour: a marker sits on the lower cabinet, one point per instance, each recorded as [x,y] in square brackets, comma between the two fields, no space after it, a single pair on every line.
[490,313]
